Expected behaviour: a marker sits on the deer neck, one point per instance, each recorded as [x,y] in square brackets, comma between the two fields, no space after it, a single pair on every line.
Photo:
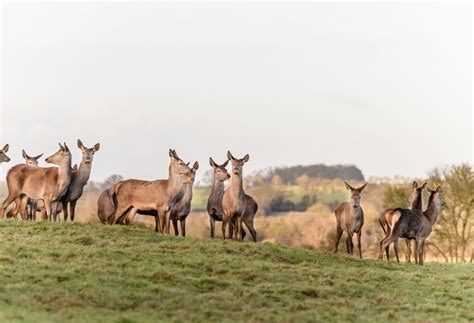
[237,186]
[175,182]
[84,172]
[417,204]
[432,211]
[217,187]
[64,175]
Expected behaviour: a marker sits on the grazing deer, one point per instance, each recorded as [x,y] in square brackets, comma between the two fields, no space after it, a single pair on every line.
[350,218]
[160,195]
[214,203]
[48,184]
[386,217]
[181,210]
[408,224]
[79,179]
[237,206]
[3,154]
[24,205]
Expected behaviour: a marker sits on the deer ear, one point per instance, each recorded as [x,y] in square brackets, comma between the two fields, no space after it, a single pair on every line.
[423,186]
[171,153]
[80,145]
[66,148]
[74,167]
[212,163]
[5,148]
[415,185]
[429,189]
[38,157]
[96,147]
[196,165]
[348,186]
[23,154]
[246,158]
[225,164]
[229,156]
[360,189]
[438,189]
[187,164]
[61,147]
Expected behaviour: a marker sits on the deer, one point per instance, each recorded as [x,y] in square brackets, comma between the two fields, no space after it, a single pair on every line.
[181,210]
[350,218]
[408,224]
[238,207]
[25,205]
[385,220]
[47,184]
[214,202]
[79,179]
[3,154]
[160,195]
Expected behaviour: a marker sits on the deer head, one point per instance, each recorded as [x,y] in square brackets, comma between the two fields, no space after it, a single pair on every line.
[177,165]
[220,171]
[436,197]
[33,161]
[60,158]
[415,195]
[191,173]
[355,194]
[87,153]
[3,157]
[237,164]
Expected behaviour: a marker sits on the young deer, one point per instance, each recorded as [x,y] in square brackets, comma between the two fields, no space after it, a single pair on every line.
[408,224]
[181,210]
[386,217]
[237,206]
[350,218]
[24,205]
[214,203]
[3,154]
[160,195]
[79,179]
[47,184]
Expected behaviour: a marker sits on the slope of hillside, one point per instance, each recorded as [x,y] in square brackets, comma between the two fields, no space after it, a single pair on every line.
[84,272]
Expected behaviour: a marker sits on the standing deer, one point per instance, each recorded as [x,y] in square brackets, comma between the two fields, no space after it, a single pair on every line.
[79,179]
[350,218]
[3,154]
[48,184]
[181,210]
[435,203]
[386,217]
[25,205]
[408,224]
[237,206]
[214,203]
[160,195]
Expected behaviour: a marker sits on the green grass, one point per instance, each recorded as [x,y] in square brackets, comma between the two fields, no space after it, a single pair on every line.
[76,272]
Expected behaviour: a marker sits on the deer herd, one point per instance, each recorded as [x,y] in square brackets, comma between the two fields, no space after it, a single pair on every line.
[55,190]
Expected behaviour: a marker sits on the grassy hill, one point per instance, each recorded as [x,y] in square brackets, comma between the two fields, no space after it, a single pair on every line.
[85,272]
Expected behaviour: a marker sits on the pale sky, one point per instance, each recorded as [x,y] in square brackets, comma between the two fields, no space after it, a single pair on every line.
[387,87]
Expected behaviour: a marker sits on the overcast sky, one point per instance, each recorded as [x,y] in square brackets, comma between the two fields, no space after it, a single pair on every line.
[387,87]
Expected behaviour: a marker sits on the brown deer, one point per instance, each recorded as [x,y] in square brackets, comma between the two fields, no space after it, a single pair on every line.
[435,203]
[79,179]
[350,218]
[386,217]
[48,184]
[24,205]
[214,202]
[237,206]
[181,210]
[409,224]
[159,195]
[3,154]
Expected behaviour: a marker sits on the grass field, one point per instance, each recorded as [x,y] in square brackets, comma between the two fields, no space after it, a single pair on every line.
[86,272]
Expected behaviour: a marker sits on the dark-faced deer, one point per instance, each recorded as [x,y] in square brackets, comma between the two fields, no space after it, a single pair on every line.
[3,154]
[408,224]
[79,179]
[214,202]
[181,210]
[25,205]
[47,184]
[350,218]
[387,216]
[161,195]
[237,206]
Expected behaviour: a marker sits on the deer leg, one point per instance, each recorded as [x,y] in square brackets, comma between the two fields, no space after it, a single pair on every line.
[118,213]
[339,232]
[395,248]
[385,243]
[408,244]
[175,226]
[350,245]
[157,222]
[6,203]
[224,226]
[213,226]
[240,229]
[250,227]
[231,229]
[163,222]
[73,210]
[48,206]
[183,226]
[23,208]
[359,234]
[65,211]
[420,251]
[417,241]
[14,210]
